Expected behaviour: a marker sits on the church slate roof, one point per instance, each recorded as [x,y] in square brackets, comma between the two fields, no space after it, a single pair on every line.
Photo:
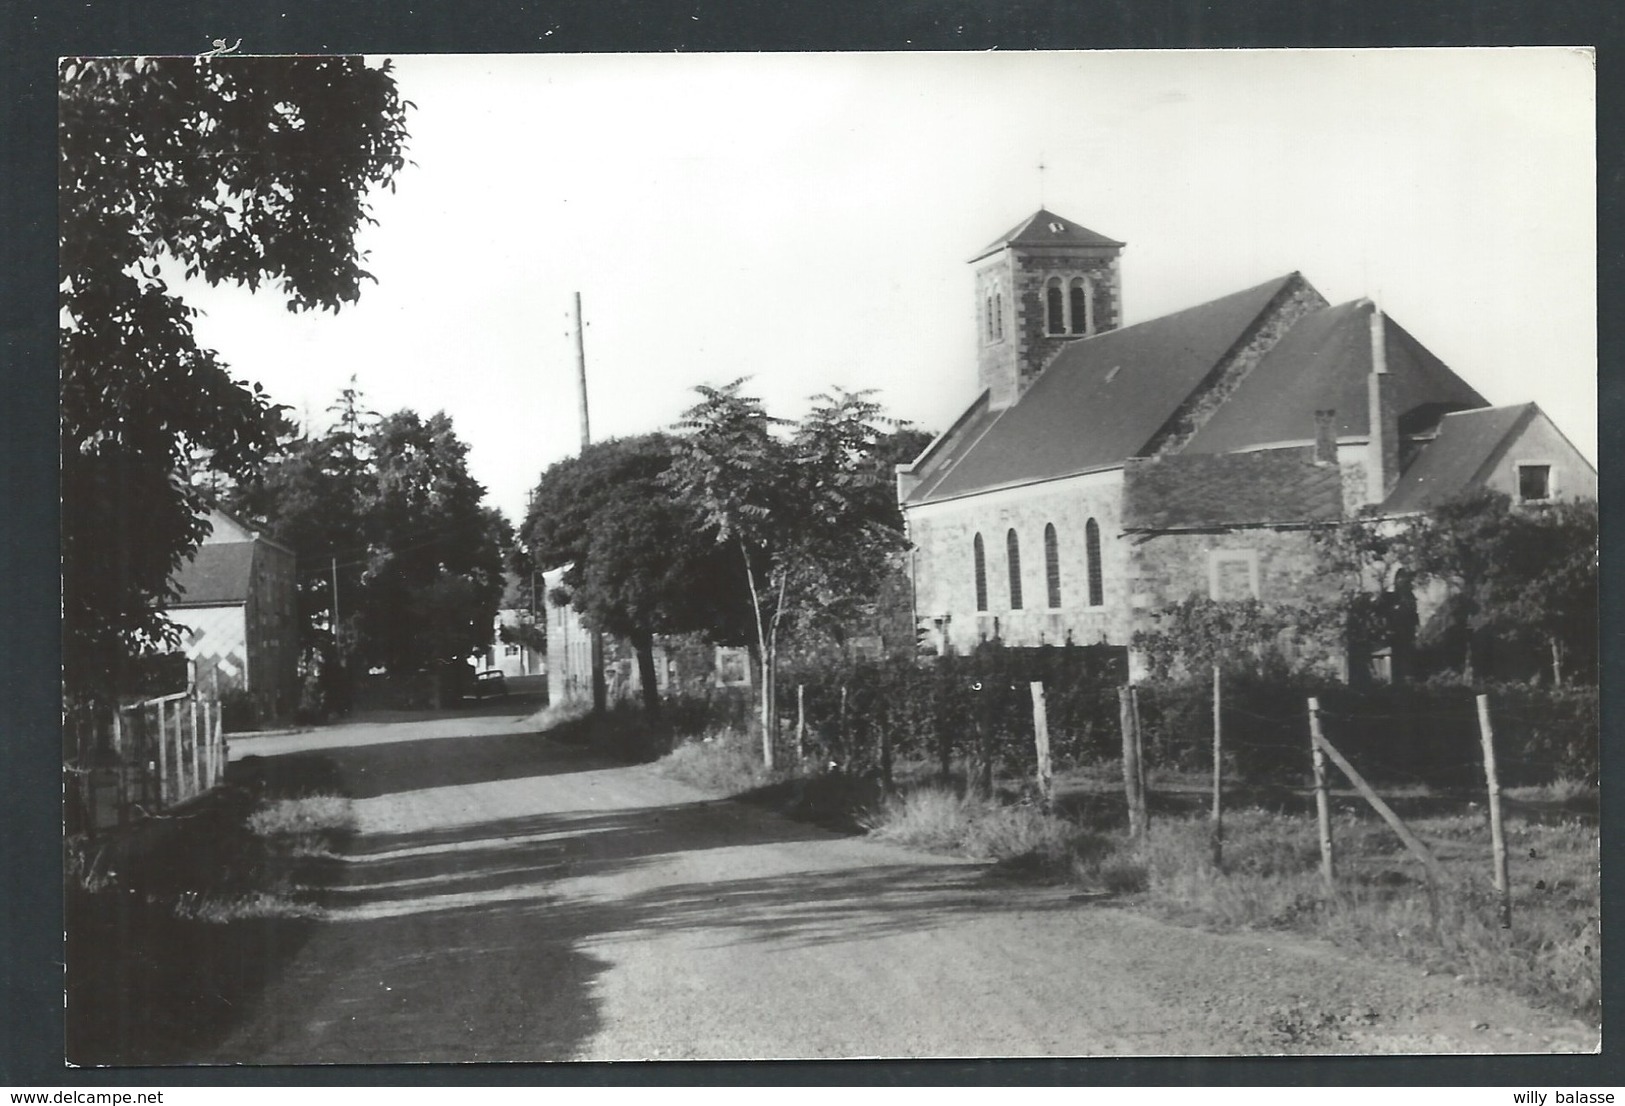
[1324,362]
[1101,399]
[1045,228]
[1467,444]
[1215,491]
[219,574]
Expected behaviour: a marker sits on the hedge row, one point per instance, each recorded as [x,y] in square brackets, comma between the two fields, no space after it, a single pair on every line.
[948,710]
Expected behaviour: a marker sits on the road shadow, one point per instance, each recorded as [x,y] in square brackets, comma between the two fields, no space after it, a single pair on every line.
[455,986]
[409,871]
[413,764]
[518,704]
[517,864]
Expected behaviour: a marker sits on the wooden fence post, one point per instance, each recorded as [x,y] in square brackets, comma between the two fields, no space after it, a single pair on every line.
[846,753]
[801,722]
[216,751]
[163,757]
[1046,778]
[121,793]
[209,765]
[984,738]
[1486,734]
[1131,764]
[197,768]
[1218,776]
[1139,759]
[1323,812]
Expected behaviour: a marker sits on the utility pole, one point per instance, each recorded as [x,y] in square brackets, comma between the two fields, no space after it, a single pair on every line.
[336,604]
[600,695]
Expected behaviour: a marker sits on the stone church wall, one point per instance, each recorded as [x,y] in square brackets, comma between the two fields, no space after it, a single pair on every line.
[1274,566]
[944,572]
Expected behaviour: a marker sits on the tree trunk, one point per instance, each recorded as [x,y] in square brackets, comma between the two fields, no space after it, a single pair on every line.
[763,657]
[1557,662]
[643,645]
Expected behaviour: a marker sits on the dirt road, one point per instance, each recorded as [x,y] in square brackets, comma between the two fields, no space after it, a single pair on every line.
[509,898]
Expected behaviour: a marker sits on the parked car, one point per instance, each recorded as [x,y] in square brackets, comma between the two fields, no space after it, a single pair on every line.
[490,684]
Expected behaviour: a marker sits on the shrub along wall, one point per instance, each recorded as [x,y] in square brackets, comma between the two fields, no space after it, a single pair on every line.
[937,711]
[1393,734]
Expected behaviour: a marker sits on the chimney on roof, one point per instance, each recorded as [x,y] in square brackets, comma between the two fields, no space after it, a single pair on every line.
[1382,451]
[907,480]
[1326,437]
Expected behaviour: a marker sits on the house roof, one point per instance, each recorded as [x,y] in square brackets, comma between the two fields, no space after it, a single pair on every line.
[1225,490]
[219,573]
[1467,443]
[1324,362]
[1045,228]
[1100,400]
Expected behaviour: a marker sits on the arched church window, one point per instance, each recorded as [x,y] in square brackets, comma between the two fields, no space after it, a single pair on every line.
[1012,549]
[1052,564]
[1079,302]
[998,314]
[1091,549]
[989,311]
[1055,307]
[980,559]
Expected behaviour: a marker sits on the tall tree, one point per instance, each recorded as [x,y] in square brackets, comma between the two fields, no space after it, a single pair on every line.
[313,499]
[233,169]
[638,565]
[806,515]
[433,577]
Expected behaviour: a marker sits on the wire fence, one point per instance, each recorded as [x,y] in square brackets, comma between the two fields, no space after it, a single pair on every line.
[968,711]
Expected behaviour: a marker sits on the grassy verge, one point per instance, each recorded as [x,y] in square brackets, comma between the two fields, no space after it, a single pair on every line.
[1270,877]
[728,761]
[171,929]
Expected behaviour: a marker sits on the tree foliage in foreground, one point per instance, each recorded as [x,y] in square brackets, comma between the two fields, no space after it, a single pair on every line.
[245,170]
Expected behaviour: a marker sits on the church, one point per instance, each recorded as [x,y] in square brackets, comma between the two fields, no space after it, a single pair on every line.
[1102,471]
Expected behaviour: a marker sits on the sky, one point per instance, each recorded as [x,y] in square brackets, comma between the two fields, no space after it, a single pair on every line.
[807,220]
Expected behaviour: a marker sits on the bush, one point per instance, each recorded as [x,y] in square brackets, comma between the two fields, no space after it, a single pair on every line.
[936,710]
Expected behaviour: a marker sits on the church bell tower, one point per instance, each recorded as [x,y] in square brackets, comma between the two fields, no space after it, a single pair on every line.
[1047,282]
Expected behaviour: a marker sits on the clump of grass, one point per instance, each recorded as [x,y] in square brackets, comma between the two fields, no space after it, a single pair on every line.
[943,820]
[1563,792]
[219,910]
[557,714]
[727,760]
[307,815]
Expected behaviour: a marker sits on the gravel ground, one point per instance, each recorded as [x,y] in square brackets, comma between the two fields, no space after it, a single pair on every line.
[508,898]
